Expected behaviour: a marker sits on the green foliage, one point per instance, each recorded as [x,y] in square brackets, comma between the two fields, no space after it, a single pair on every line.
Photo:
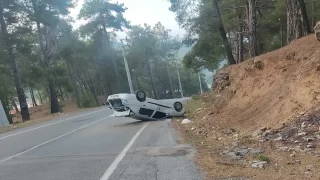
[49,12]
[103,12]
[203,36]
[87,102]
[195,97]
[88,62]
[199,18]
[61,105]
[262,157]
[156,44]
[7,89]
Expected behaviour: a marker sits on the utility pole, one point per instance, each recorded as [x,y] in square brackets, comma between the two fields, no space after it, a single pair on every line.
[127,68]
[179,82]
[200,82]
[170,80]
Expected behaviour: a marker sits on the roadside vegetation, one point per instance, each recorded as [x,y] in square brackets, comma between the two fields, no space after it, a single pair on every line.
[45,58]
[41,114]
[262,118]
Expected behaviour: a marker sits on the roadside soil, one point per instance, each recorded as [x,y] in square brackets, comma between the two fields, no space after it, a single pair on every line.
[41,114]
[262,118]
[215,163]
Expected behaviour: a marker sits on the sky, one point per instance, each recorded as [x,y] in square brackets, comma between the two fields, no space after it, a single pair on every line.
[140,12]
[150,12]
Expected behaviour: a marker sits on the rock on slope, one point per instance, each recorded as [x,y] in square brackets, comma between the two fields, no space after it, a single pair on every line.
[266,91]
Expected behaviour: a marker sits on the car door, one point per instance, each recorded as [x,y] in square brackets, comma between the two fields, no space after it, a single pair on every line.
[147,109]
[162,111]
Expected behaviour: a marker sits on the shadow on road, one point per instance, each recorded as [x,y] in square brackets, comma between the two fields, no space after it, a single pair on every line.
[135,123]
[139,122]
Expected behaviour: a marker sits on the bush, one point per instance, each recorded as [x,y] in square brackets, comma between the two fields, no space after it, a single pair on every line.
[60,106]
[262,157]
[87,102]
[195,97]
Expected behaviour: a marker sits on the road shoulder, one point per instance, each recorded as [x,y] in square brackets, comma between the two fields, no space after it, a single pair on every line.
[157,155]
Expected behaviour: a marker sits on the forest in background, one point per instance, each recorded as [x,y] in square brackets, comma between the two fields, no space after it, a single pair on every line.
[237,30]
[43,55]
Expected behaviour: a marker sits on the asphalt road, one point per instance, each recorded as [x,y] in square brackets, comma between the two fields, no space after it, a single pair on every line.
[93,145]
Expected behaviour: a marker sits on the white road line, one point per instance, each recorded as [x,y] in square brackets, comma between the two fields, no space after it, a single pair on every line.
[34,147]
[115,163]
[4,137]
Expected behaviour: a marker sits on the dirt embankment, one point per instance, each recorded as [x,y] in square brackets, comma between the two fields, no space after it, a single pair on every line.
[262,119]
[253,97]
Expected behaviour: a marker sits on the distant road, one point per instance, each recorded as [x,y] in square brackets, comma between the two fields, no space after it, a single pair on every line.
[91,146]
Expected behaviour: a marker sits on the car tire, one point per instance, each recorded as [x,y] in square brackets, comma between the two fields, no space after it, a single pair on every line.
[178,106]
[141,96]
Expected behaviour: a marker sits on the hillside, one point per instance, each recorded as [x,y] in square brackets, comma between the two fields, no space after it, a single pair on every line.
[263,113]
[288,85]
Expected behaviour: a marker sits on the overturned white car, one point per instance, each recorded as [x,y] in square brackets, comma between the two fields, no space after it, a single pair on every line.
[139,107]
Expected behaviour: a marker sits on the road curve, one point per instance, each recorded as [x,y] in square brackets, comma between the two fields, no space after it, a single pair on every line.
[92,145]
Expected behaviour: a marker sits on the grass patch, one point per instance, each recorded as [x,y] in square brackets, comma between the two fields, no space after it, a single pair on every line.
[262,157]
[192,105]
[61,106]
[196,97]
[87,102]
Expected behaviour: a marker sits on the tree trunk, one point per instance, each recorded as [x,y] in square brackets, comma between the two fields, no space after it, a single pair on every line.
[305,16]
[312,13]
[170,80]
[40,96]
[241,58]
[109,88]
[92,89]
[82,82]
[158,88]
[61,93]
[33,105]
[87,89]
[47,55]
[13,102]
[107,40]
[252,28]
[240,38]
[14,67]
[294,27]
[281,34]
[48,91]
[81,89]
[151,76]
[53,98]
[223,34]
[105,90]
[74,84]
[237,44]
[34,102]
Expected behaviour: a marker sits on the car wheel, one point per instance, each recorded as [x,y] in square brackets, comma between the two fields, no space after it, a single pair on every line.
[178,106]
[141,96]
